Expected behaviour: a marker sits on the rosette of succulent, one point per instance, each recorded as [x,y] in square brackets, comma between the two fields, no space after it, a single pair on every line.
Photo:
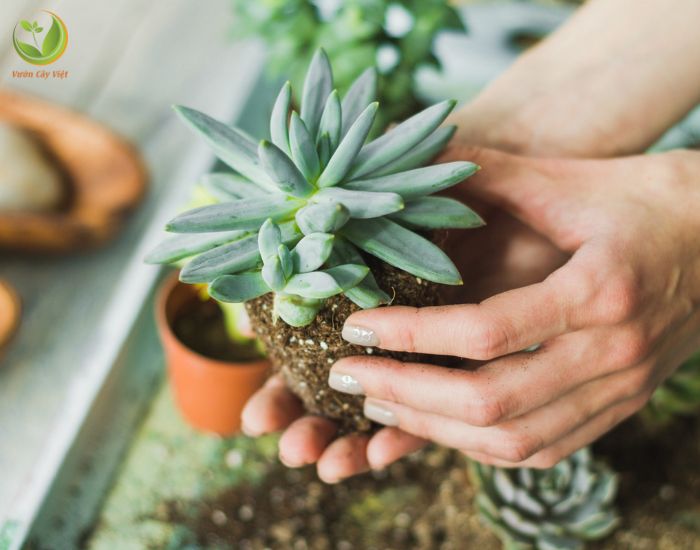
[319,221]
[554,509]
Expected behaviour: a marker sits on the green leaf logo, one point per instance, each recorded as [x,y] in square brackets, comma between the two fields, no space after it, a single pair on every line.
[37,47]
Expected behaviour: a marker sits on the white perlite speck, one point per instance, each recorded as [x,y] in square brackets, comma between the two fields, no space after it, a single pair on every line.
[218,518]
[323,345]
[369,351]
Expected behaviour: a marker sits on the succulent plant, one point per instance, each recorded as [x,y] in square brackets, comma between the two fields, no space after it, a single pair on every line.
[397,35]
[553,509]
[306,202]
[677,396]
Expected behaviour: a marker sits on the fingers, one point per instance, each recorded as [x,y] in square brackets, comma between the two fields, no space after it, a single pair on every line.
[305,440]
[506,323]
[581,437]
[271,409]
[343,458]
[389,445]
[521,438]
[495,392]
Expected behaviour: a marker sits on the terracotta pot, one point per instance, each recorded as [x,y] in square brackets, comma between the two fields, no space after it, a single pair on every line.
[210,393]
[10,313]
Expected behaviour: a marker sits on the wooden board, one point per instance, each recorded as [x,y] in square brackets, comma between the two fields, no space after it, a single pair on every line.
[104,176]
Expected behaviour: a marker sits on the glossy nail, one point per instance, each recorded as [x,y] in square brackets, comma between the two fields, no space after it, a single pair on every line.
[344,383]
[361,336]
[379,413]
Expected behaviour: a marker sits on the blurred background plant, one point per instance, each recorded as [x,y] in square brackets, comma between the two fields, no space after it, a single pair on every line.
[677,396]
[395,36]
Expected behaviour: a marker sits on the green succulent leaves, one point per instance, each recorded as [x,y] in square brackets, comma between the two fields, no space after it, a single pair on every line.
[558,508]
[306,204]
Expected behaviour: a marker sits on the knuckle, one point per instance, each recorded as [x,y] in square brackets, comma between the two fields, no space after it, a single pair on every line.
[620,297]
[406,336]
[630,348]
[488,412]
[488,340]
[519,447]
[545,460]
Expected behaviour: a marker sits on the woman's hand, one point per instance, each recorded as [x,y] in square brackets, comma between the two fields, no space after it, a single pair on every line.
[614,321]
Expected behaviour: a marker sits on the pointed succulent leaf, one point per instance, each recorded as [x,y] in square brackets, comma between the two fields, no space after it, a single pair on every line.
[417,182]
[317,85]
[230,144]
[315,284]
[421,154]
[240,255]
[438,213]
[402,248]
[279,132]
[226,186]
[273,274]
[296,311]
[303,149]
[286,261]
[311,252]
[324,149]
[401,139]
[366,294]
[331,120]
[361,93]
[344,156]
[348,275]
[322,218]
[230,258]
[238,288]
[361,204]
[241,214]
[282,171]
[269,240]
[178,247]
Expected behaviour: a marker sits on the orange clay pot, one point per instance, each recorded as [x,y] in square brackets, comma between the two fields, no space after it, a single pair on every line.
[10,313]
[210,393]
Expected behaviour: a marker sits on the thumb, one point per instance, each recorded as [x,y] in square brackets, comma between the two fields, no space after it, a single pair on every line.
[542,193]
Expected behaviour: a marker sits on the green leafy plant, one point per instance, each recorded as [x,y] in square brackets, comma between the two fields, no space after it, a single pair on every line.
[306,202]
[677,396]
[553,509]
[396,35]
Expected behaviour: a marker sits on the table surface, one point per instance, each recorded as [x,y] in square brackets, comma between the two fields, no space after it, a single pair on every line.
[127,62]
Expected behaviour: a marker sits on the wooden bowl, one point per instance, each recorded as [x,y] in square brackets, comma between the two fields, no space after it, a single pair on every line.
[10,313]
[104,176]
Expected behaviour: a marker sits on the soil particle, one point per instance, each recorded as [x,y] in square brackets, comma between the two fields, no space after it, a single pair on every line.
[307,354]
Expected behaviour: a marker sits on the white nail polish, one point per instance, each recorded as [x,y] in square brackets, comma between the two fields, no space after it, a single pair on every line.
[379,413]
[344,383]
[361,336]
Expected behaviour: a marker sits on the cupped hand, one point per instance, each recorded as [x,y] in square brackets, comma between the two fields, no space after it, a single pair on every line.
[613,322]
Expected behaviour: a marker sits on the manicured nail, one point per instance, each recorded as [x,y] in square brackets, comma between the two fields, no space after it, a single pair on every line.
[379,413]
[344,383]
[360,335]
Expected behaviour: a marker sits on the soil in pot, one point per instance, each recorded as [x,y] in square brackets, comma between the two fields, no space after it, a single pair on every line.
[305,355]
[202,329]
[212,375]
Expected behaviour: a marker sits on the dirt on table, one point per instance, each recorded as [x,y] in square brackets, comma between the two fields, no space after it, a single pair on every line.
[424,502]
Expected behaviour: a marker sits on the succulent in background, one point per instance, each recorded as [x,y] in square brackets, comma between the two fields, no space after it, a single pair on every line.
[553,509]
[310,199]
[397,36]
[677,396]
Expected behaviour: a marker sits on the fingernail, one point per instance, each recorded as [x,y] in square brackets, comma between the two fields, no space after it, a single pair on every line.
[360,335]
[288,463]
[247,431]
[344,383]
[379,413]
